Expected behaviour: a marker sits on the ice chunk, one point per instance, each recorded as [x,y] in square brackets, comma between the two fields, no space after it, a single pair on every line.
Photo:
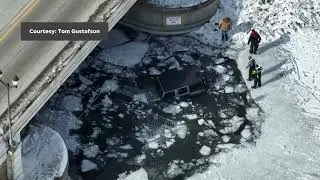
[128,54]
[225,146]
[211,123]
[181,131]
[167,134]
[246,133]
[106,101]
[140,97]
[240,88]
[232,125]
[121,115]
[228,89]
[126,147]
[201,121]
[153,145]
[109,86]
[252,114]
[191,116]
[140,158]
[172,109]
[84,80]
[96,132]
[174,170]
[219,61]
[91,150]
[210,132]
[72,103]
[225,138]
[225,77]
[169,143]
[140,174]
[184,104]
[87,165]
[205,150]
[220,69]
[154,71]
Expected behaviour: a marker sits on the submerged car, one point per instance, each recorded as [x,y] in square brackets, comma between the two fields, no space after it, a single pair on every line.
[176,83]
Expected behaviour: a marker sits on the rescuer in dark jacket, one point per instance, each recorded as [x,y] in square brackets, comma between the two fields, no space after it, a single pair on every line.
[254,39]
[256,74]
[251,65]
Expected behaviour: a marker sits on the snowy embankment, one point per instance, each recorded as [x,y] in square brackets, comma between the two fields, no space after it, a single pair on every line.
[289,145]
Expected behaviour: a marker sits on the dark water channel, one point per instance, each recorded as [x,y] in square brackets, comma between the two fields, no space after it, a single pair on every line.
[162,53]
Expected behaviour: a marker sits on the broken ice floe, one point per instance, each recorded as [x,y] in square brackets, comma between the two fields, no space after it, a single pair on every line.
[85,80]
[174,170]
[72,103]
[169,142]
[109,86]
[91,150]
[210,133]
[184,104]
[140,158]
[225,138]
[232,125]
[240,88]
[140,97]
[96,132]
[220,69]
[246,133]
[201,121]
[119,55]
[219,61]
[153,145]
[181,131]
[252,114]
[172,109]
[225,146]
[126,147]
[205,150]
[191,116]
[154,71]
[140,174]
[228,89]
[87,165]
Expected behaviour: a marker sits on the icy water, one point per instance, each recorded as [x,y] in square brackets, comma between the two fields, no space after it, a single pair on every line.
[170,139]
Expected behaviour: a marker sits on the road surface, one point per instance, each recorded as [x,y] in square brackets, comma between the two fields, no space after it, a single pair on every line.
[9,10]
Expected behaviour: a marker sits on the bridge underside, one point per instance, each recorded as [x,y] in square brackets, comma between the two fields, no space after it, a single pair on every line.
[44,66]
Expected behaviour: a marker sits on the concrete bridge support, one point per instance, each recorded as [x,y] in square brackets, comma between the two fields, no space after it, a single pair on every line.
[14,160]
[169,21]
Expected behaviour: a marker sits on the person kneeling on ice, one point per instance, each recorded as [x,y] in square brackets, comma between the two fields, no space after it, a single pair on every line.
[251,65]
[225,25]
[254,39]
[256,74]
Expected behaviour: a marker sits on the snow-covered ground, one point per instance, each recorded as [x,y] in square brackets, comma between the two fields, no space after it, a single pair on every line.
[289,145]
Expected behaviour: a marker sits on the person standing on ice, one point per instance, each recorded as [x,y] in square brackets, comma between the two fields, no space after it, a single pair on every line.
[225,25]
[256,74]
[251,65]
[254,39]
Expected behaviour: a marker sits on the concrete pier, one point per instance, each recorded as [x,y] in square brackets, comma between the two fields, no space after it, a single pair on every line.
[169,21]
